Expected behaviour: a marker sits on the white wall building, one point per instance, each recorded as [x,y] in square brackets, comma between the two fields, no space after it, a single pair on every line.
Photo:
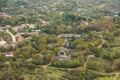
[2,42]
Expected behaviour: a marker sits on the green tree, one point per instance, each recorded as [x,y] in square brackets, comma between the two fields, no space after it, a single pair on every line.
[37,59]
[47,58]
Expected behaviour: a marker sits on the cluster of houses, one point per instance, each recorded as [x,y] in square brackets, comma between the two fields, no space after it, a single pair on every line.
[20,27]
[23,26]
[19,37]
[3,43]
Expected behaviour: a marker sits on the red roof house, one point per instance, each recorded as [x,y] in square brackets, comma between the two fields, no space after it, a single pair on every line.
[21,39]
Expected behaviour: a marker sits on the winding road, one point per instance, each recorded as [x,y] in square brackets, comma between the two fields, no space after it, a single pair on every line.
[47,65]
[113,73]
[116,75]
[84,67]
[103,41]
[13,37]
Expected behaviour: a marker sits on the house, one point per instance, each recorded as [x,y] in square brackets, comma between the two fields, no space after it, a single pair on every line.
[15,29]
[8,27]
[62,54]
[5,15]
[23,26]
[61,13]
[91,56]
[9,54]
[84,24]
[100,35]
[2,42]
[28,38]
[65,43]
[34,34]
[1,29]
[45,23]
[37,30]
[20,38]
[69,35]
[30,25]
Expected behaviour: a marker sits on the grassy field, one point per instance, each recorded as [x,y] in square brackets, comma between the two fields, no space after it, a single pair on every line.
[50,72]
[118,77]
[28,76]
[106,78]
[53,72]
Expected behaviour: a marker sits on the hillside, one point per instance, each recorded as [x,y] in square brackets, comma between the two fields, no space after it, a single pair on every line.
[59,40]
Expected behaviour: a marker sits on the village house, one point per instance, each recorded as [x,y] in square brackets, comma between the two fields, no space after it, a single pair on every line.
[30,25]
[2,42]
[84,24]
[1,29]
[20,38]
[2,14]
[28,38]
[91,56]
[8,27]
[5,15]
[9,54]
[45,23]
[62,54]
[69,35]
[61,13]
[16,29]
[34,34]
[23,26]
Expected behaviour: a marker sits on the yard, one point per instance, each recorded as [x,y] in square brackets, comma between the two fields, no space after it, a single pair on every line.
[106,78]
[51,72]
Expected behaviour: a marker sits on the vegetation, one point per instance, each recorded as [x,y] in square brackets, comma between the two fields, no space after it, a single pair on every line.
[59,39]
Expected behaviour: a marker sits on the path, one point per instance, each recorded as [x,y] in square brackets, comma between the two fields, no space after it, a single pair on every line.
[103,41]
[45,66]
[116,75]
[13,37]
[84,66]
